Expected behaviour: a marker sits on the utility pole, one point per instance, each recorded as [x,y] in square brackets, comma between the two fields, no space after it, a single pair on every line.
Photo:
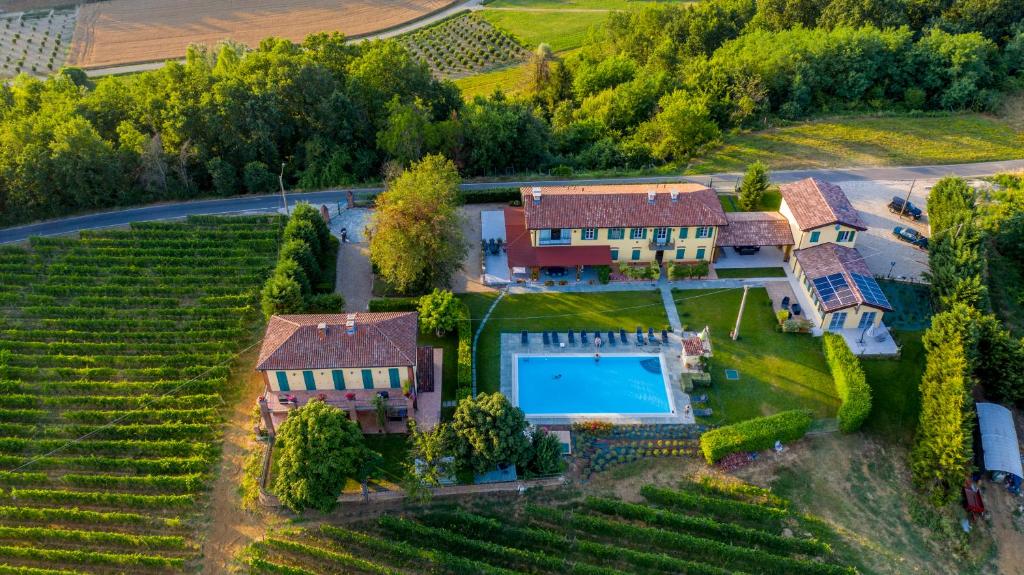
[739,316]
[907,199]
[280,181]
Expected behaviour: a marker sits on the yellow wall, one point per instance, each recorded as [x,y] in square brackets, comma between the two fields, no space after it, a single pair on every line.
[625,246]
[324,379]
[826,234]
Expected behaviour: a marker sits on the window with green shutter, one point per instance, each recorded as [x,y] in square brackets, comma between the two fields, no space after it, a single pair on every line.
[684,233]
[700,253]
[815,236]
[367,379]
[637,233]
[616,233]
[282,381]
[635,255]
[396,382]
[681,253]
[339,378]
[615,254]
[307,378]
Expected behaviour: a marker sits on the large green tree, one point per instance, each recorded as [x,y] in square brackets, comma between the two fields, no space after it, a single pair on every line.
[416,239]
[439,311]
[489,431]
[318,449]
[753,187]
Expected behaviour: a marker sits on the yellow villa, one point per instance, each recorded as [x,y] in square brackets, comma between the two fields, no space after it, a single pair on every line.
[352,361]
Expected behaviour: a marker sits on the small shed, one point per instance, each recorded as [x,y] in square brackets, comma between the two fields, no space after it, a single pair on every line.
[999,439]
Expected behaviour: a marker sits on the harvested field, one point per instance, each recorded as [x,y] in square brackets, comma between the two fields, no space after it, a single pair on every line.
[131,31]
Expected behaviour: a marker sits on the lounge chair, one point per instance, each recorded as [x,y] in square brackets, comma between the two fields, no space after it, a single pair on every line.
[572,337]
[650,335]
[610,340]
[554,337]
[639,335]
[490,246]
[664,337]
[702,412]
[622,336]
[524,337]
[583,337]
[702,398]
[547,340]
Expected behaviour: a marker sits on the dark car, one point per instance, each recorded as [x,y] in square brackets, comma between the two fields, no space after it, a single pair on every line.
[747,250]
[911,236]
[903,207]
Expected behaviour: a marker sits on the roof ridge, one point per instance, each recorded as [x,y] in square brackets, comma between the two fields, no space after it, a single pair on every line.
[397,347]
[831,209]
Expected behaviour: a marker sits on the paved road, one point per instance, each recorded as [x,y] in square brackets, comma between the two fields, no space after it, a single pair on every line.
[272,202]
[389,33]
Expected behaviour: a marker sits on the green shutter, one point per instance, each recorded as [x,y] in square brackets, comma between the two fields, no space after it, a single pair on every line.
[700,253]
[615,254]
[681,253]
[636,255]
[684,233]
[645,233]
[396,382]
[282,381]
[307,377]
[668,238]
[339,378]
[367,379]
[815,236]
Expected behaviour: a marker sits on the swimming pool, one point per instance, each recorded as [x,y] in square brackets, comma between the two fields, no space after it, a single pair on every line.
[577,385]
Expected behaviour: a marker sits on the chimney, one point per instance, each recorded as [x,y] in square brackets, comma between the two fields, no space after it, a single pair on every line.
[321,328]
[675,195]
[536,196]
[650,197]
[350,323]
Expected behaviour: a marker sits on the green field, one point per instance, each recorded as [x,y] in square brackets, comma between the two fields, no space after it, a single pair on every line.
[562,30]
[558,311]
[508,79]
[778,371]
[671,531]
[895,397]
[869,141]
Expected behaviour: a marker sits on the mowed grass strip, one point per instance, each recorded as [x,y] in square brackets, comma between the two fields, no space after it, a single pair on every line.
[869,141]
[558,311]
[732,273]
[562,30]
[778,371]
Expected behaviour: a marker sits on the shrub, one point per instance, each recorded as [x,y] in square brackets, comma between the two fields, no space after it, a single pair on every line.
[439,311]
[754,434]
[325,303]
[393,304]
[851,385]
[488,196]
[782,315]
[604,273]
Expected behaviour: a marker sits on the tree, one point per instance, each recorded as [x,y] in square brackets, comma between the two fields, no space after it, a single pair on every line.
[318,449]
[222,175]
[304,230]
[304,212]
[258,179]
[290,269]
[755,183]
[489,431]
[430,452]
[416,240]
[281,295]
[299,251]
[439,311]
[998,360]
[941,454]
[545,453]
[683,126]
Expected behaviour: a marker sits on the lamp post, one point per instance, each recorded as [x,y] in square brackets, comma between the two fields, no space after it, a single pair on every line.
[892,265]
[280,181]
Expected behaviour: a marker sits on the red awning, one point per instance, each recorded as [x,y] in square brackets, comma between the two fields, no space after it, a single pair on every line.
[522,254]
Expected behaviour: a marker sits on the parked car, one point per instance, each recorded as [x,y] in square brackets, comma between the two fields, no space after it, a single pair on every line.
[911,236]
[747,250]
[900,206]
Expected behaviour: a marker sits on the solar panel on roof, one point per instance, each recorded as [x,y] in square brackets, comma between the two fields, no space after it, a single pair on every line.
[870,289]
[834,290]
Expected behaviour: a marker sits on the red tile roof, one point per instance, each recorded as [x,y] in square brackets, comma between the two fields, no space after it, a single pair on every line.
[622,206]
[831,259]
[380,340]
[815,203]
[755,229]
[693,346]
[522,254]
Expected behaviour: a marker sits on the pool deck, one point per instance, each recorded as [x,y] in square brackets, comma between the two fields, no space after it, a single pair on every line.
[671,355]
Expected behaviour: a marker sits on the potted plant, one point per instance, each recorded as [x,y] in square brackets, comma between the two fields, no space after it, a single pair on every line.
[350,396]
[406,387]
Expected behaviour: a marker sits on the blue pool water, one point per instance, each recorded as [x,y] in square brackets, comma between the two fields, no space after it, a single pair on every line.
[617,384]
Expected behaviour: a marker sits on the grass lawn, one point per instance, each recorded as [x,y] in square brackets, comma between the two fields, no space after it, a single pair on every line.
[562,31]
[912,302]
[733,273]
[778,371]
[895,397]
[1004,280]
[508,79]
[559,311]
[869,141]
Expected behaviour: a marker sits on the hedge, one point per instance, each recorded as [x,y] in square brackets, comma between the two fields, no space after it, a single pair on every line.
[394,304]
[487,196]
[755,434]
[851,385]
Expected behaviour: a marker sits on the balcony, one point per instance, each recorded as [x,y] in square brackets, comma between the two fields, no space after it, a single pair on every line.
[557,237]
[664,244]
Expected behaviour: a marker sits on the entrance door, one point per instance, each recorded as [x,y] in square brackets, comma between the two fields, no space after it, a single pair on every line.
[659,255]
[867,319]
[838,320]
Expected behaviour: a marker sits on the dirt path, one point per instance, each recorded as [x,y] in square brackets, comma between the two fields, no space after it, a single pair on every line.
[231,527]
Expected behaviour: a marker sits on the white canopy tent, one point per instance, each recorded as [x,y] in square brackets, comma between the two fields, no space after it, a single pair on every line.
[999,439]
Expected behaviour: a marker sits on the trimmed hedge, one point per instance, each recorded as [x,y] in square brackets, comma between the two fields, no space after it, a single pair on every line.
[487,196]
[755,434]
[851,385]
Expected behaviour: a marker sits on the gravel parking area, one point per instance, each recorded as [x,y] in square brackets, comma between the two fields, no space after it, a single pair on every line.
[878,245]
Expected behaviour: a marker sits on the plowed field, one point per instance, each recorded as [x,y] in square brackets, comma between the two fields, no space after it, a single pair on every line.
[131,31]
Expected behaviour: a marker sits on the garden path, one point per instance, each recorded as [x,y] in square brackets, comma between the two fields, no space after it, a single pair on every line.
[670,307]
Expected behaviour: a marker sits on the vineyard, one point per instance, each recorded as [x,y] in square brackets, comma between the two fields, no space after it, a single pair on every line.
[704,530]
[114,364]
[35,42]
[464,45]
